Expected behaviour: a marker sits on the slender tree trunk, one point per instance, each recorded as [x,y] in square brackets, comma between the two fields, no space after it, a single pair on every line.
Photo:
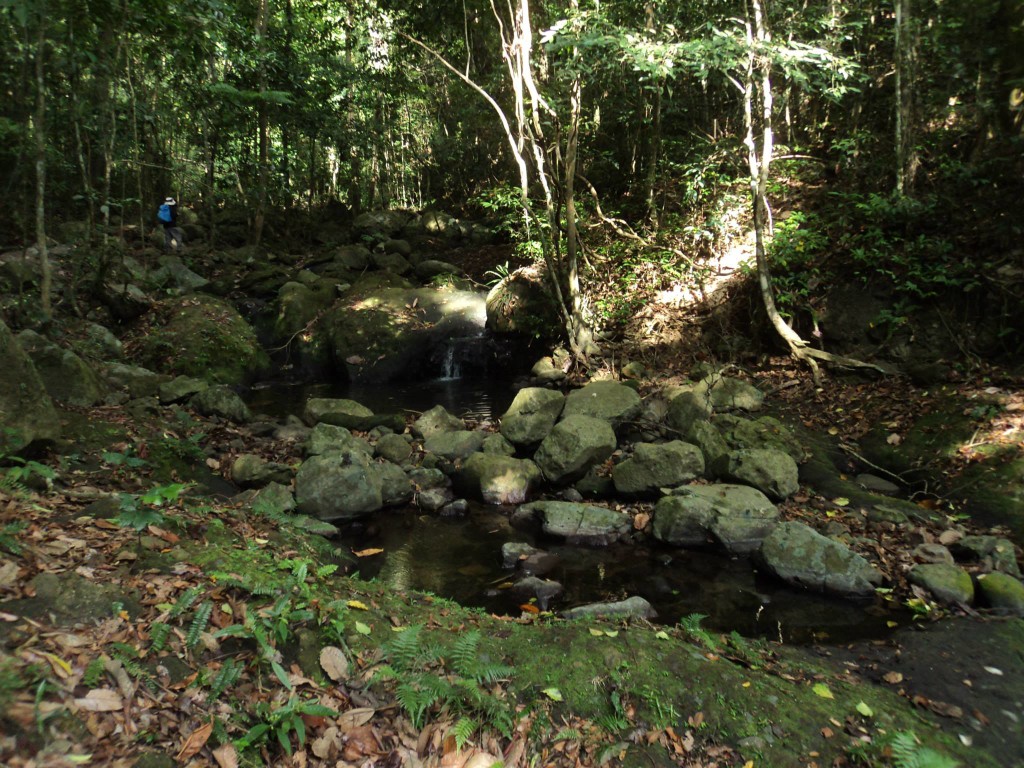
[906,55]
[263,121]
[39,130]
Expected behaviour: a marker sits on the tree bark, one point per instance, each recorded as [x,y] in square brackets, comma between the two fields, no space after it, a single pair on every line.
[39,130]
[263,121]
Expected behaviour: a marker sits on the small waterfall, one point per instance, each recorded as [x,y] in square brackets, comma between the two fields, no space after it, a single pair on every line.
[460,356]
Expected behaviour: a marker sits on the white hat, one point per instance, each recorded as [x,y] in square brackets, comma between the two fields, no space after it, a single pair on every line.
[170,201]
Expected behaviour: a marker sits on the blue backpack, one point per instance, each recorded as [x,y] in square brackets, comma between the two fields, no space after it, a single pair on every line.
[164,214]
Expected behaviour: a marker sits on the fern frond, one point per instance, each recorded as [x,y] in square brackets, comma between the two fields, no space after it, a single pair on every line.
[463,731]
[158,635]
[464,653]
[326,570]
[569,734]
[404,651]
[185,601]
[228,675]
[199,624]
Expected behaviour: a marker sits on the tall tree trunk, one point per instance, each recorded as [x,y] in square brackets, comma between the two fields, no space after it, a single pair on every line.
[906,56]
[39,130]
[263,121]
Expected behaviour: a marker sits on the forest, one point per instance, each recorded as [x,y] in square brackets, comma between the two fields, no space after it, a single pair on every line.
[551,272]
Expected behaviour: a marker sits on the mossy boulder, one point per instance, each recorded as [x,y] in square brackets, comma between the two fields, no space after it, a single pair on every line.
[658,465]
[801,556]
[772,472]
[199,336]
[610,401]
[519,303]
[498,479]
[26,410]
[66,376]
[531,415]
[573,446]
[1002,593]
[946,582]
[577,523]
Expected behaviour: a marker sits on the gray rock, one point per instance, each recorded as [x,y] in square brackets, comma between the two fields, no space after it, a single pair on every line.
[735,516]
[497,444]
[658,465]
[428,269]
[1002,593]
[393,448]
[799,555]
[424,478]
[273,499]
[136,381]
[532,415]
[578,523]
[763,432]
[705,435]
[392,262]
[541,590]
[325,438]
[595,485]
[573,446]
[455,445]
[436,420]
[877,484]
[772,472]
[251,471]
[632,607]
[992,552]
[341,485]
[395,486]
[317,407]
[725,392]
[686,409]
[609,401]
[66,377]
[932,553]
[546,371]
[353,257]
[398,246]
[220,400]
[26,410]
[457,508]
[126,301]
[180,388]
[512,552]
[100,343]
[433,499]
[948,583]
[173,271]
[499,479]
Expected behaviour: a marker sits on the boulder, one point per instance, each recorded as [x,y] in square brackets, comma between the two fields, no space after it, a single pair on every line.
[298,305]
[251,471]
[173,274]
[735,516]
[705,435]
[436,420]
[994,553]
[946,582]
[725,392]
[498,479]
[630,608]
[496,443]
[542,591]
[573,446]
[772,472]
[382,224]
[340,485]
[221,400]
[577,523]
[353,257]
[607,400]
[685,410]
[454,445]
[428,269]
[126,301]
[393,448]
[326,438]
[273,499]
[395,486]
[180,388]
[319,407]
[98,343]
[66,377]
[658,465]
[136,381]
[799,555]
[514,552]
[26,410]
[391,262]
[1002,593]
[200,336]
[531,415]
[519,303]
[764,432]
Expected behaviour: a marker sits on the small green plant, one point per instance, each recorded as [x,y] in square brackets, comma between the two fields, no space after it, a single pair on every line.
[429,678]
[15,479]
[283,721]
[8,542]
[908,752]
[691,626]
[140,512]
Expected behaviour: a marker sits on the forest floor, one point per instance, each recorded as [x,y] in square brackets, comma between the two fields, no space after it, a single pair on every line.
[162,664]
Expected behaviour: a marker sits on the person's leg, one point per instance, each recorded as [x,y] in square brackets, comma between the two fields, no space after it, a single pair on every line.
[168,238]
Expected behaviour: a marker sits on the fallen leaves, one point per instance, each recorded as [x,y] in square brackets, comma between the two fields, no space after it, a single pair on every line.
[100,700]
[195,742]
[334,663]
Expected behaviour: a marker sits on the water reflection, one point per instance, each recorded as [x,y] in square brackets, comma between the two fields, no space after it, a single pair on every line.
[460,559]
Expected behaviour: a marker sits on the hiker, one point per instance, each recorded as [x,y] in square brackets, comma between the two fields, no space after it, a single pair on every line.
[168,215]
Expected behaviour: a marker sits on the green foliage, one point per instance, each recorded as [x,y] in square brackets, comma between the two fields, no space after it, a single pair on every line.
[281,722]
[8,532]
[200,621]
[907,752]
[93,673]
[229,673]
[14,479]
[427,679]
[691,626]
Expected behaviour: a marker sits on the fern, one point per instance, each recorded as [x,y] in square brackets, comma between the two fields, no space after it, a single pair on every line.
[326,570]
[463,731]
[199,623]
[228,675]
[185,601]
[404,651]
[93,673]
[158,635]
[907,752]
[8,531]
[569,734]
[463,653]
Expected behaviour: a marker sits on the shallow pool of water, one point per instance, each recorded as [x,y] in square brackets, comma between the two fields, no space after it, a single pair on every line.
[460,559]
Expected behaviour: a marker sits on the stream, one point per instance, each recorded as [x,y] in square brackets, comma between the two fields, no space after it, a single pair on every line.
[460,559]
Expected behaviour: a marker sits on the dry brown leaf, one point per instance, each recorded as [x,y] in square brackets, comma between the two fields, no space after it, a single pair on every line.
[362,741]
[354,718]
[893,678]
[334,662]
[196,741]
[100,700]
[226,756]
[330,741]
[480,759]
[368,552]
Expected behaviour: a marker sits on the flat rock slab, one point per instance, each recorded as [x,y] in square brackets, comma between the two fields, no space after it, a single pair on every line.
[632,607]
[799,555]
[578,523]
